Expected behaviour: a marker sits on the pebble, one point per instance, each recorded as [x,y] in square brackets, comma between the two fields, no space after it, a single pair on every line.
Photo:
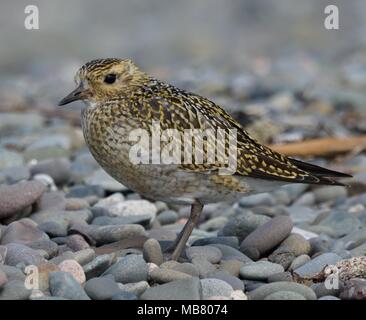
[282,256]
[243,224]
[213,224]
[74,268]
[47,245]
[152,252]
[231,266]
[257,199]
[137,288]
[167,217]
[10,159]
[263,291]
[14,290]
[58,169]
[19,253]
[108,234]
[131,268]
[209,253]
[81,191]
[230,241]
[12,273]
[281,276]
[203,266]
[341,223]
[166,275]
[102,288]
[76,242]
[296,244]
[63,284]
[317,264]
[17,197]
[267,236]
[301,214]
[285,295]
[22,231]
[299,261]
[97,266]
[234,282]
[230,253]
[259,270]
[185,289]
[15,174]
[215,287]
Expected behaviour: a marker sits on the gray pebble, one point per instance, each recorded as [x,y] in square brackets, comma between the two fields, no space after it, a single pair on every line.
[152,252]
[317,264]
[285,295]
[259,270]
[63,284]
[101,288]
[14,290]
[214,288]
[209,253]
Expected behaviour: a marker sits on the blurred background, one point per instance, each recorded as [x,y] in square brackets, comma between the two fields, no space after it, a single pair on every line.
[272,64]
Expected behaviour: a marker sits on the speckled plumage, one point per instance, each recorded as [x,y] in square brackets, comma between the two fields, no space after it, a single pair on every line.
[136,99]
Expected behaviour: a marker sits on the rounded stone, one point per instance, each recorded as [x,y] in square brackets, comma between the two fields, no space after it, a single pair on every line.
[152,252]
[14,290]
[215,287]
[63,284]
[166,275]
[124,295]
[58,169]
[22,231]
[167,217]
[267,289]
[74,268]
[101,288]
[285,295]
[260,270]
[317,264]
[209,253]
[15,198]
[297,244]
[19,253]
[299,261]
[234,282]
[131,268]
[268,235]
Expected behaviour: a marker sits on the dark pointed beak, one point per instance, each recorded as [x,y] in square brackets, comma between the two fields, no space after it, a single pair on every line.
[78,94]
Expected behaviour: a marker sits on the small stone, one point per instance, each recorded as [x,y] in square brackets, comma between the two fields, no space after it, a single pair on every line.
[281,276]
[186,289]
[259,270]
[302,214]
[74,268]
[299,261]
[76,242]
[328,298]
[263,291]
[243,224]
[47,245]
[22,231]
[234,282]
[9,159]
[19,196]
[230,241]
[257,199]
[108,234]
[131,268]
[63,284]
[13,273]
[167,217]
[97,266]
[81,191]
[166,275]
[188,268]
[230,253]
[58,169]
[317,264]
[84,256]
[285,295]
[19,253]
[268,235]
[215,287]
[231,266]
[14,290]
[15,174]
[203,266]
[209,253]
[137,288]
[214,224]
[296,244]
[152,252]
[76,204]
[282,256]
[101,288]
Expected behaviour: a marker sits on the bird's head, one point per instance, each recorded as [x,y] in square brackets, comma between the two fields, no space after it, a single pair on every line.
[102,79]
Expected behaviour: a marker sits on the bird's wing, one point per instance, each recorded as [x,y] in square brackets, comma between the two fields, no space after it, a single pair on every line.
[178,109]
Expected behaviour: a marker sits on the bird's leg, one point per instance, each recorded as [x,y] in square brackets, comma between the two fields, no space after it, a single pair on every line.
[180,242]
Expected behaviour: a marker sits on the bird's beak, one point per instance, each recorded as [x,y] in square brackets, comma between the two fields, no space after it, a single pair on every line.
[78,94]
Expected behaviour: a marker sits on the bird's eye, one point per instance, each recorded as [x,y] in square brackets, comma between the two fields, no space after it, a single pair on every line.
[110,78]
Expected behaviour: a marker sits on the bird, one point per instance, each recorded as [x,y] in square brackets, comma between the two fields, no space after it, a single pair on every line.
[120,99]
